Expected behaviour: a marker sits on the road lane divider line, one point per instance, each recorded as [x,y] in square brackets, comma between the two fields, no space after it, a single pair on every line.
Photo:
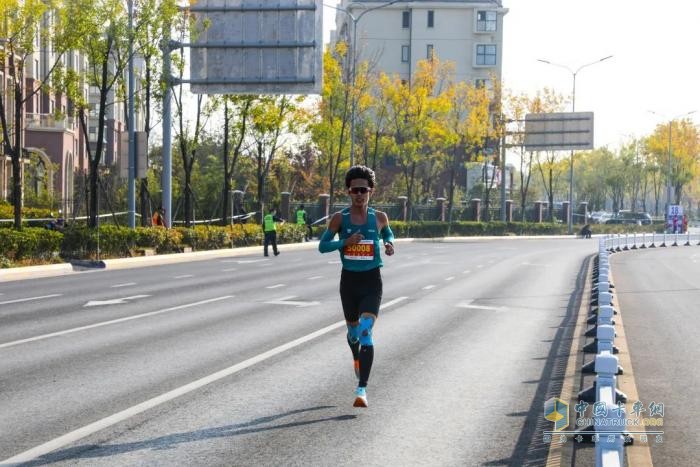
[87,430]
[276,286]
[112,321]
[449,278]
[229,270]
[428,287]
[126,284]
[29,299]
[561,455]
[183,276]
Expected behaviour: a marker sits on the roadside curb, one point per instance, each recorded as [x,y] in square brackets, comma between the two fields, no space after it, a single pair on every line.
[31,272]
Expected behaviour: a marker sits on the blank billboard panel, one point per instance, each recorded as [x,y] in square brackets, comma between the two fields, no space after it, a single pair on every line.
[559,131]
[254,47]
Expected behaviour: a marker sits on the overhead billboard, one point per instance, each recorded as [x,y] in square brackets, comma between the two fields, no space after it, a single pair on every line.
[256,47]
[559,131]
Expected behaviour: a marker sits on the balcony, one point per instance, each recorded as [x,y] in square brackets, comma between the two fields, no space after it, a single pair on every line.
[50,122]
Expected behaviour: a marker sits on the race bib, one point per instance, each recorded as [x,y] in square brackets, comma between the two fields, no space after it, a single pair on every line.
[363,251]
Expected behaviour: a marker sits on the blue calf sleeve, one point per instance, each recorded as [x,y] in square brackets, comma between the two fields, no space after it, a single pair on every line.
[365,330]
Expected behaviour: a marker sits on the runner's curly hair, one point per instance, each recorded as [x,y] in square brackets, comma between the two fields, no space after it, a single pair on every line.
[360,171]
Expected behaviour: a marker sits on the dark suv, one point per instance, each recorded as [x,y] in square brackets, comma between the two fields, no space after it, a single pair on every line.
[628,217]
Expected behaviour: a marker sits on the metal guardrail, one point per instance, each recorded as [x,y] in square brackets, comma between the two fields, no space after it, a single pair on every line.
[609,417]
[620,242]
[609,421]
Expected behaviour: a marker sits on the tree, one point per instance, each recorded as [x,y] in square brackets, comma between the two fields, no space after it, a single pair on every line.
[272,118]
[152,17]
[330,131]
[411,109]
[24,33]
[685,153]
[466,127]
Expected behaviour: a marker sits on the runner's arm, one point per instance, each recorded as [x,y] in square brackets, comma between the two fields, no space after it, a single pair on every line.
[327,244]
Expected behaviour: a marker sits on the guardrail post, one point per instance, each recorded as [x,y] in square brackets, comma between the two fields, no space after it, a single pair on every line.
[663,244]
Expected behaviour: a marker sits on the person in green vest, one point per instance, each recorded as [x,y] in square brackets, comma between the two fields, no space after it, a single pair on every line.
[302,219]
[270,231]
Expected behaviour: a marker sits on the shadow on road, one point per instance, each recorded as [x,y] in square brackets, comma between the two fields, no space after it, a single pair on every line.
[530,449]
[88,451]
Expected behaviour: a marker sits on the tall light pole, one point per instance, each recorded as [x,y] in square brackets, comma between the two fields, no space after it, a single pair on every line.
[355,20]
[570,220]
[670,152]
[131,192]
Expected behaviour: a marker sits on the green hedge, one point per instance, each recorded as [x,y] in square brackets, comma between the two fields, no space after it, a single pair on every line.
[76,242]
[29,243]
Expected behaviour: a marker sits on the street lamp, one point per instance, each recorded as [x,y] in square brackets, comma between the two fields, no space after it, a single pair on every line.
[570,216]
[355,20]
[670,126]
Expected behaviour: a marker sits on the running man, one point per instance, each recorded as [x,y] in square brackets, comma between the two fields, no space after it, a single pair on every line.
[360,229]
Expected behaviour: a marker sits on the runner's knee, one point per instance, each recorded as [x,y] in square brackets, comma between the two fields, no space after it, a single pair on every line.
[365,330]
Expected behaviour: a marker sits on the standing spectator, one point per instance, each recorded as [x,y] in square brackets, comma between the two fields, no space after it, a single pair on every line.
[303,219]
[158,220]
[685,223]
[270,231]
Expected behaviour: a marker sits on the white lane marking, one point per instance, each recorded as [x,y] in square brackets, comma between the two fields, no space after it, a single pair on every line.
[114,301]
[449,278]
[534,264]
[29,299]
[113,321]
[315,277]
[466,272]
[480,266]
[468,304]
[229,269]
[87,430]
[276,286]
[288,301]
[184,276]
[393,302]
[428,287]
[126,284]
[247,261]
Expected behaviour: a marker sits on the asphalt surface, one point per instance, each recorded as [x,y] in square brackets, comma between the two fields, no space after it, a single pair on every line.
[658,290]
[468,346]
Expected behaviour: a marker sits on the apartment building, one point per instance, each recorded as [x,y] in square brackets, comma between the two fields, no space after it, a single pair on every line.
[395,37]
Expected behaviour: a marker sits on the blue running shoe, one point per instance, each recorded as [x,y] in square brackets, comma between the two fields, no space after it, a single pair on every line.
[360,397]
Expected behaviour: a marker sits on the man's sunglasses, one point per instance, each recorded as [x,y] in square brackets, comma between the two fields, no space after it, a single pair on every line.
[355,190]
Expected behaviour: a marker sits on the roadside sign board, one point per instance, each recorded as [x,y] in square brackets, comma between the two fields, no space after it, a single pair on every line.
[256,47]
[559,131]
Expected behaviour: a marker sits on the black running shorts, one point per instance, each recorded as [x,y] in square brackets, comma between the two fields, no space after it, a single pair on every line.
[360,292]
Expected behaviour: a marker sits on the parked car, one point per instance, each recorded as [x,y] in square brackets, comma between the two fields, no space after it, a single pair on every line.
[599,217]
[629,217]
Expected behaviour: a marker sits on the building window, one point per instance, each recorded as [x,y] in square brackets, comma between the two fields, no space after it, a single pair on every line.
[486,21]
[406,19]
[486,54]
[405,53]
[431,18]
[430,51]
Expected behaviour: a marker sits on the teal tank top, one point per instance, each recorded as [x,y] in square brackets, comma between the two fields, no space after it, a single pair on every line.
[365,255]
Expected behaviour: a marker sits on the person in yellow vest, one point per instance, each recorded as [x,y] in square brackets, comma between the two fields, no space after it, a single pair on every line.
[270,231]
[302,219]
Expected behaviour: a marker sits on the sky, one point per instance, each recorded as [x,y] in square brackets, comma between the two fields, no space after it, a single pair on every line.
[655,65]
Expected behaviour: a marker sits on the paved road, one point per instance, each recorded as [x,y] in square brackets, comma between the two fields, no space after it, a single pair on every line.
[659,293]
[469,344]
